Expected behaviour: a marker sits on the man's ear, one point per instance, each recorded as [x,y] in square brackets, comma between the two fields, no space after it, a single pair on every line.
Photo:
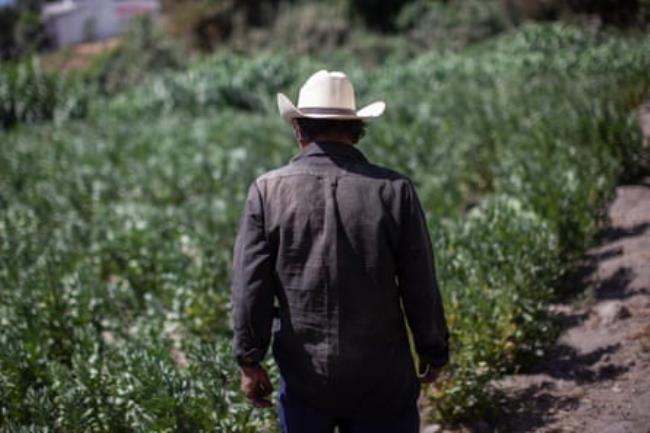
[298,132]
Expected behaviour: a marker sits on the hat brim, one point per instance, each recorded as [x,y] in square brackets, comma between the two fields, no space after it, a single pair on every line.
[289,111]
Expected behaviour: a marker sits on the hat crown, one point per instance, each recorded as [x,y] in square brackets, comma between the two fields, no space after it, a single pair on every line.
[326,89]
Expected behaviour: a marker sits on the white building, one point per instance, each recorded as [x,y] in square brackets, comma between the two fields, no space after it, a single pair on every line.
[70,22]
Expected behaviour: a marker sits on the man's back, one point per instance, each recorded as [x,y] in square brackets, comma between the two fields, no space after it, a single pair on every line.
[340,243]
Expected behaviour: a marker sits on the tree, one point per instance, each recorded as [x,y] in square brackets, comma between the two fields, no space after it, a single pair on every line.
[378,14]
[21,30]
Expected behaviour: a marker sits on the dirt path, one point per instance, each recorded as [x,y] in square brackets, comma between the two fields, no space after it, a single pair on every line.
[597,377]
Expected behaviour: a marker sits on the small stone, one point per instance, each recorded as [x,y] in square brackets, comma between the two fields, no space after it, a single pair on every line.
[623,313]
[108,338]
[610,312]
[433,428]
[179,357]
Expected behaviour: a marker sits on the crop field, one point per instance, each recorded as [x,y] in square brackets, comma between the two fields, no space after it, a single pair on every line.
[118,215]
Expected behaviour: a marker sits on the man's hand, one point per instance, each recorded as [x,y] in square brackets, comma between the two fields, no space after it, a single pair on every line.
[427,373]
[256,386]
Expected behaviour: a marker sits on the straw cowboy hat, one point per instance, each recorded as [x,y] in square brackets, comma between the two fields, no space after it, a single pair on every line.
[327,95]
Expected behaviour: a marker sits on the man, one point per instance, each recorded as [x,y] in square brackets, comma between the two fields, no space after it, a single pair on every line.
[341,245]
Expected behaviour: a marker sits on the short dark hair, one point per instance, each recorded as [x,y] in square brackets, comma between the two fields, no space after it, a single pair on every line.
[313,129]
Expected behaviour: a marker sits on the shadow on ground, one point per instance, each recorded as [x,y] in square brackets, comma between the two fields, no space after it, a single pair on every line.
[557,383]
[528,409]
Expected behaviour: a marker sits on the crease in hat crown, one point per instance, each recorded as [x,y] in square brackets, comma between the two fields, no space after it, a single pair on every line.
[327,94]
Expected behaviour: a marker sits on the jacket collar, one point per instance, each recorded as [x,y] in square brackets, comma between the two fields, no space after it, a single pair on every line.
[332,149]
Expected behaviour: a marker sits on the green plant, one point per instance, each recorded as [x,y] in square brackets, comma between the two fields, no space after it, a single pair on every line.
[144,50]
[116,229]
[454,24]
[28,94]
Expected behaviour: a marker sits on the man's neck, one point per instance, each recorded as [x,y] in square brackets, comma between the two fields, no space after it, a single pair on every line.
[336,140]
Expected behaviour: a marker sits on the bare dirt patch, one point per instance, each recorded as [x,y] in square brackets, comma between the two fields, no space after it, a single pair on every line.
[78,57]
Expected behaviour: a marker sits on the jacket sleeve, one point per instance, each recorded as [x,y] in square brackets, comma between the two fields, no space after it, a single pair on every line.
[252,285]
[417,282]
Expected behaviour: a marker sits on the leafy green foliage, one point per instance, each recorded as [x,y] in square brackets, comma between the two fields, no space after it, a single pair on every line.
[455,24]
[377,14]
[116,230]
[21,29]
[144,50]
[28,94]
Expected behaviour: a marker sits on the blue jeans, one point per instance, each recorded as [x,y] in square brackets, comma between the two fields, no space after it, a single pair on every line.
[298,417]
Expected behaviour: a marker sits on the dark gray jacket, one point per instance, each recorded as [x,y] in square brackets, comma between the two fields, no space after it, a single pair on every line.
[339,245]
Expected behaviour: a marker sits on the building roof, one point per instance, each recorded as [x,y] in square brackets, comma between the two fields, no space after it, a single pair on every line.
[58,8]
